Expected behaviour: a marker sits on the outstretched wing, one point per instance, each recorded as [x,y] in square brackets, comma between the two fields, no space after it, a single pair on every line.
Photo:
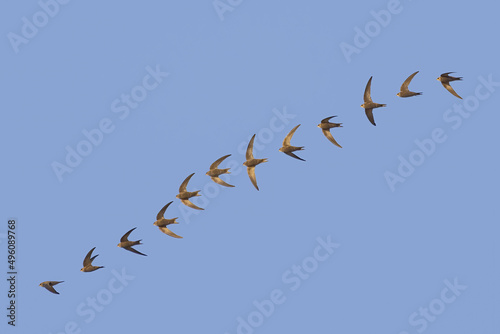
[221,182]
[293,155]
[191,205]
[450,89]
[329,135]
[125,236]
[367,96]
[249,154]
[404,86]
[251,174]
[369,114]
[87,261]
[134,251]
[325,120]
[286,141]
[184,184]
[218,161]
[170,233]
[51,288]
[161,214]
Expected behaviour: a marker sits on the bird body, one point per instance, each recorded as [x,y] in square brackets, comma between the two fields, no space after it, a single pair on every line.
[214,172]
[162,223]
[87,262]
[445,80]
[185,195]
[127,244]
[368,104]
[251,163]
[289,149]
[49,285]
[404,91]
[325,127]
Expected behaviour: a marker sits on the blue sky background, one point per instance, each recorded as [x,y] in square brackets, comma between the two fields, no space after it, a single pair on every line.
[228,79]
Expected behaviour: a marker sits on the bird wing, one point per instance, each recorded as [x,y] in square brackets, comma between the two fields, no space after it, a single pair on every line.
[134,251]
[369,114]
[125,236]
[367,96]
[162,211]
[87,261]
[218,161]
[325,120]
[446,75]
[293,155]
[249,154]
[404,86]
[251,174]
[170,233]
[329,135]
[286,141]
[450,89]
[191,205]
[51,288]
[221,182]
[184,184]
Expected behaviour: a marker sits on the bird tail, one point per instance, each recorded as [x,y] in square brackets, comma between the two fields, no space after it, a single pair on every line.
[226,171]
[138,242]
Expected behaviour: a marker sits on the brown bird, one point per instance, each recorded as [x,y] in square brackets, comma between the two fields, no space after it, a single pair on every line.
[87,262]
[214,172]
[404,91]
[445,79]
[162,223]
[49,285]
[369,105]
[325,126]
[126,244]
[289,149]
[251,162]
[184,195]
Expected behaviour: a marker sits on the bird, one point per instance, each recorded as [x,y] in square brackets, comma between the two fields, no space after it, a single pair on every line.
[214,172]
[49,285]
[162,223]
[325,126]
[404,91]
[87,262]
[251,162]
[445,79]
[184,195]
[289,149]
[127,244]
[369,105]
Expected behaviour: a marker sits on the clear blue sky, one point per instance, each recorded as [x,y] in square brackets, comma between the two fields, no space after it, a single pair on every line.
[330,243]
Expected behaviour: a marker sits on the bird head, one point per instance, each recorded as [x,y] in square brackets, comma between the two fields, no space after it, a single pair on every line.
[363,105]
[280,149]
[438,79]
[397,94]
